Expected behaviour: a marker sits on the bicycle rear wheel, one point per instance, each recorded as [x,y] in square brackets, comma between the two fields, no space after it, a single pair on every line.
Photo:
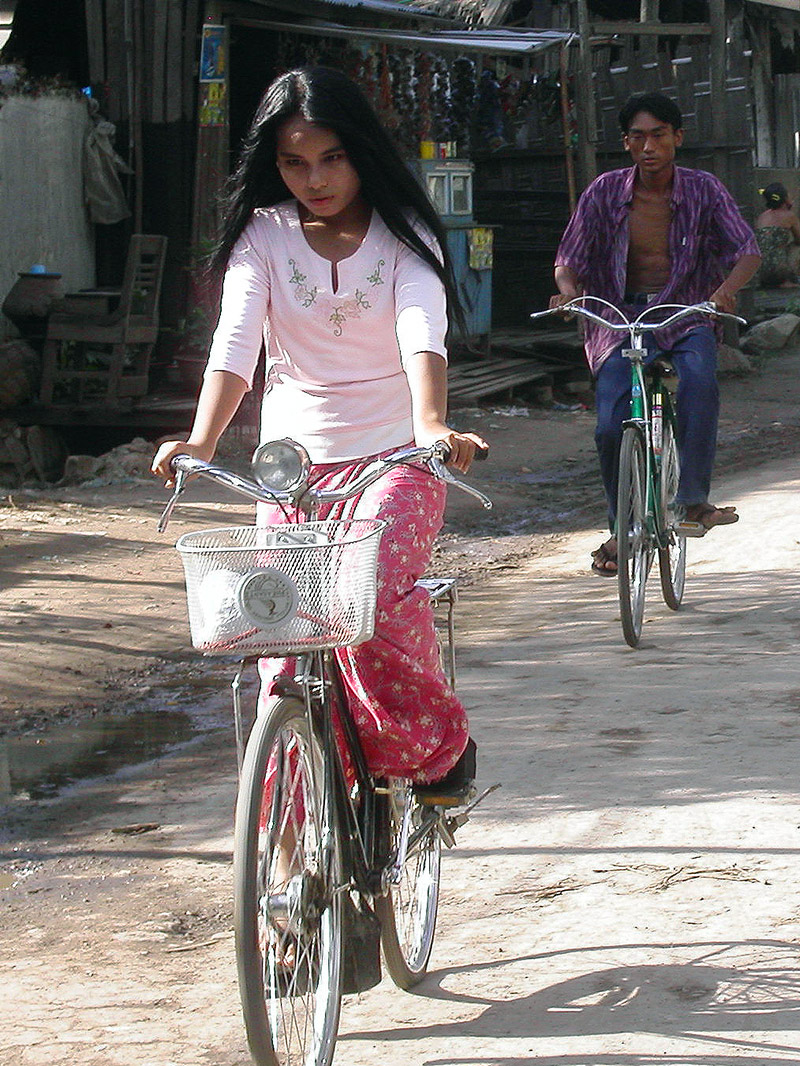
[287,912]
[634,542]
[672,558]
[408,911]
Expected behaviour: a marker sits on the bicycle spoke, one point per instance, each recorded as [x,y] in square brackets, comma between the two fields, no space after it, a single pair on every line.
[634,540]
[408,912]
[286,908]
[672,557]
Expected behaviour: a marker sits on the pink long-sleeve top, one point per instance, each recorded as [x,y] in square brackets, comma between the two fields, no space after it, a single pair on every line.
[335,355]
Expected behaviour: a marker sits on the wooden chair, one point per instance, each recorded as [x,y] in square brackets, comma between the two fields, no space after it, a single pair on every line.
[95,358]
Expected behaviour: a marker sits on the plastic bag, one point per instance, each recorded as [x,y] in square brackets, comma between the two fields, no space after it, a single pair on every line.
[103,192]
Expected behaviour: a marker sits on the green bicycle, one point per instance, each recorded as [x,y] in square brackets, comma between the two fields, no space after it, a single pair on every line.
[649,519]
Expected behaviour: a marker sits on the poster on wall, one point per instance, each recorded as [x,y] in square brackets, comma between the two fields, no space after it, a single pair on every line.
[213,71]
[213,63]
[213,104]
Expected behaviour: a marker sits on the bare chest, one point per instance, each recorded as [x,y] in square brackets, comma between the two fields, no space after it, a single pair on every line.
[649,224]
[648,251]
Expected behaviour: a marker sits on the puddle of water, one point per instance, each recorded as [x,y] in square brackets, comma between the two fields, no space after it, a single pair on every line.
[183,706]
[37,766]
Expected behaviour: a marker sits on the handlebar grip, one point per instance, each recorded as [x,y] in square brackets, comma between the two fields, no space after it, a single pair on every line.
[480,453]
[178,462]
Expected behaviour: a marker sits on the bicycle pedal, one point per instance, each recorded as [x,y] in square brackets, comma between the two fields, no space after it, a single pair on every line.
[445,800]
[685,528]
[448,824]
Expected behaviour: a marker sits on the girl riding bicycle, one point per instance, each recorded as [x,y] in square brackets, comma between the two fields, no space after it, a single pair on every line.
[336,261]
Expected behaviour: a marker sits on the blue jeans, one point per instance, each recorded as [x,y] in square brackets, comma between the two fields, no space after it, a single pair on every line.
[694,356]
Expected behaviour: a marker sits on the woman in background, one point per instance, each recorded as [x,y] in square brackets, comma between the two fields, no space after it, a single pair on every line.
[778,235]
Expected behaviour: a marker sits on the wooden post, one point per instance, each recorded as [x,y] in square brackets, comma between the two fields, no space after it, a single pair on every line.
[584,99]
[95,42]
[648,46]
[718,76]
[211,167]
[134,45]
[762,91]
[563,62]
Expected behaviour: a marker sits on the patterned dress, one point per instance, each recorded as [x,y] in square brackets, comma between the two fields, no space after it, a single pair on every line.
[775,244]
[336,345]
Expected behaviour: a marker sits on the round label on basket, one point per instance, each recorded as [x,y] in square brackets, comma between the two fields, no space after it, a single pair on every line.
[267,597]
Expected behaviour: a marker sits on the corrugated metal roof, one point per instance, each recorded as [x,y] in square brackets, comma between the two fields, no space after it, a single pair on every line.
[393,7]
[490,42]
[407,8]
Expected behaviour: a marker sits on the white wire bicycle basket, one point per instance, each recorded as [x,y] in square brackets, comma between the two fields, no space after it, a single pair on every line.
[271,590]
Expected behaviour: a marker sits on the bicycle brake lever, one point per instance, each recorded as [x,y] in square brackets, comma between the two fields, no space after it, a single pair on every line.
[166,514]
[445,474]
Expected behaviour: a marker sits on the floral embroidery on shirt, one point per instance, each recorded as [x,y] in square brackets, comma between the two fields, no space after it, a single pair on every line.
[375,277]
[303,294]
[348,309]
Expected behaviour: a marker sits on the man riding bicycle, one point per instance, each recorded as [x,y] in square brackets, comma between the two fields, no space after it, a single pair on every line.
[649,234]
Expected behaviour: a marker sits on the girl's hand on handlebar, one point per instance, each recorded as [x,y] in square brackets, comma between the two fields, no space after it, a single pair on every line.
[167,452]
[463,448]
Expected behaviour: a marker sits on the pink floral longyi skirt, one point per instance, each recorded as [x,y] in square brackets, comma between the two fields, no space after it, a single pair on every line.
[409,721]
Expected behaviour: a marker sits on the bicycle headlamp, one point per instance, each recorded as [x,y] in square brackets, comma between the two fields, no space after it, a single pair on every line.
[281,465]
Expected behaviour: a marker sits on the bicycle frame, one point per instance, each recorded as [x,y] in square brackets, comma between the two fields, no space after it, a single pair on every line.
[651,407]
[318,684]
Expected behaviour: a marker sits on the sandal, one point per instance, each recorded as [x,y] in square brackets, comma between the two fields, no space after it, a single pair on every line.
[708,516]
[604,560]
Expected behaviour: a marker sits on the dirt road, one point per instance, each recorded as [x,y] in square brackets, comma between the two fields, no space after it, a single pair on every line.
[627,898]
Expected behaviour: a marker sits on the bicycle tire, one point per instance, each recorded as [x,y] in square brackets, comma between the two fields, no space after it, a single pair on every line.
[288,927]
[634,542]
[672,557]
[407,912]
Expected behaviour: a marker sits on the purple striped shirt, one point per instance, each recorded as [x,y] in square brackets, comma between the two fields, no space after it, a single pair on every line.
[707,236]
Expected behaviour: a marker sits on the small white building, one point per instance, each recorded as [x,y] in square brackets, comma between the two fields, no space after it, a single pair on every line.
[43,217]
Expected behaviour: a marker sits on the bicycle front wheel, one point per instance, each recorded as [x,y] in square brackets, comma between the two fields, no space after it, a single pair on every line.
[634,542]
[672,557]
[287,910]
[407,913]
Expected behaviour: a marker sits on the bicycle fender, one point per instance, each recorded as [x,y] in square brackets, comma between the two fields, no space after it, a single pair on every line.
[635,423]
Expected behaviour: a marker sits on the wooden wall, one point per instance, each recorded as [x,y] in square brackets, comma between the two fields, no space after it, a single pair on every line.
[145,62]
[525,192]
[787,120]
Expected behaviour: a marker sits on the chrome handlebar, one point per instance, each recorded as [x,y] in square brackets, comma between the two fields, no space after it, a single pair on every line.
[637,326]
[308,498]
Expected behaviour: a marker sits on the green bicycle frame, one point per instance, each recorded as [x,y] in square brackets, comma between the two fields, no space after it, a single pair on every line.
[651,406]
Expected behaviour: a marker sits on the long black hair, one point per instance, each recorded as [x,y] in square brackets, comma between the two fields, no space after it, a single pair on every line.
[329,98]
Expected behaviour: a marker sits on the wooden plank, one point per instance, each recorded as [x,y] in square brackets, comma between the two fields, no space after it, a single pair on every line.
[458,390]
[191,57]
[95,40]
[117,101]
[718,75]
[627,28]
[173,55]
[155,45]
[648,14]
[585,100]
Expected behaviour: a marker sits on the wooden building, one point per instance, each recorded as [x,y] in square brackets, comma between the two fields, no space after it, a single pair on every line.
[547,78]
